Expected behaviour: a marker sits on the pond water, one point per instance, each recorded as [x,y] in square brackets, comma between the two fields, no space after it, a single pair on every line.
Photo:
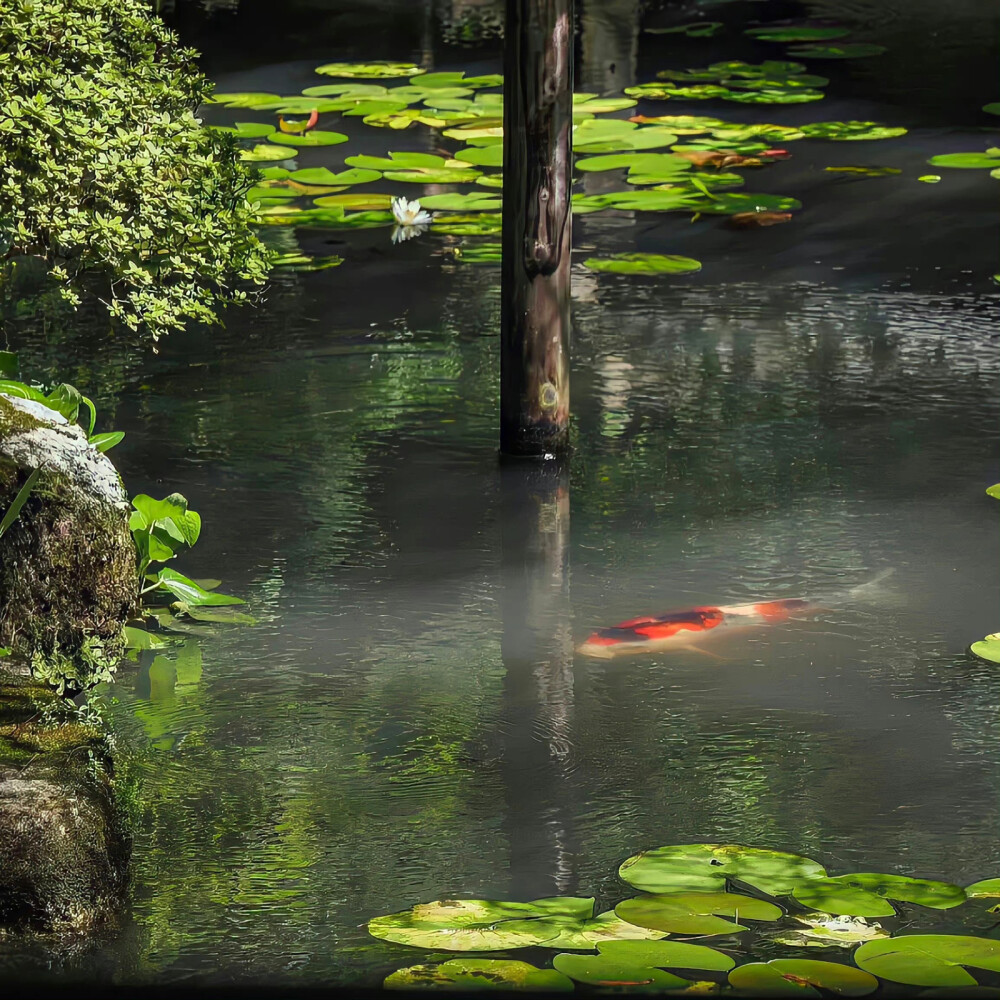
[408,721]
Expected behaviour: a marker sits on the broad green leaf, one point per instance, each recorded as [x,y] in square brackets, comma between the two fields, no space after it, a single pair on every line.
[832,896]
[139,638]
[929,959]
[482,156]
[371,70]
[475,201]
[221,616]
[598,105]
[847,51]
[320,175]
[663,165]
[667,955]
[939,895]
[189,592]
[988,649]
[263,153]
[695,912]
[966,161]
[243,99]
[597,970]
[316,137]
[798,976]
[346,90]
[865,171]
[930,178]
[459,79]
[480,253]
[358,202]
[795,34]
[612,135]
[469,974]
[851,131]
[643,263]
[107,440]
[585,933]
[985,887]
[992,109]
[65,399]
[774,95]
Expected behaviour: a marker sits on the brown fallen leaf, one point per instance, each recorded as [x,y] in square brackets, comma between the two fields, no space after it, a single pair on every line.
[719,158]
[755,220]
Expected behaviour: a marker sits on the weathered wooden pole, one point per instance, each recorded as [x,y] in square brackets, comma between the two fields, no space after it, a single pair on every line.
[537,228]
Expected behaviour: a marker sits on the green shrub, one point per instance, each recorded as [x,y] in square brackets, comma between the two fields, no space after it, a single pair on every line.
[106,173]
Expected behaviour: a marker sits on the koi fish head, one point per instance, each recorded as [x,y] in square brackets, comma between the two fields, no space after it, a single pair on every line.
[646,635]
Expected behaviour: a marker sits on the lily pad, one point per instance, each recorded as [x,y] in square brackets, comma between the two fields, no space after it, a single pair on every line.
[483,253]
[598,105]
[246,130]
[966,161]
[865,171]
[684,124]
[320,175]
[670,91]
[929,959]
[243,99]
[866,894]
[317,137]
[674,200]
[475,201]
[793,34]
[478,924]
[709,865]
[850,131]
[346,90]
[987,649]
[774,95]
[695,912]
[858,50]
[482,156]
[371,70]
[605,927]
[644,168]
[612,135]
[597,970]
[930,178]
[798,976]
[730,203]
[696,29]
[490,180]
[478,974]
[667,955]
[643,263]
[824,930]
[459,79]
[357,202]
[428,175]
[478,224]
[263,153]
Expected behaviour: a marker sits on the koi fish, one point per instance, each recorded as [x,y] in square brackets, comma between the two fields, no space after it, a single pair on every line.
[681,629]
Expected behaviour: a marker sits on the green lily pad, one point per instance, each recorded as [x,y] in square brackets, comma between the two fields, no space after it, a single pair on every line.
[243,99]
[670,91]
[316,137]
[774,96]
[987,649]
[597,970]
[482,156]
[823,930]
[865,171]
[490,180]
[644,168]
[459,79]
[767,133]
[700,144]
[866,894]
[358,202]
[346,90]
[612,135]
[478,974]
[480,224]
[686,124]
[697,29]
[695,912]
[320,175]
[929,959]
[262,153]
[483,253]
[475,201]
[849,131]
[605,927]
[930,178]
[371,70]
[667,868]
[984,888]
[396,161]
[728,203]
[246,130]
[856,51]
[667,955]
[427,175]
[792,34]
[479,924]
[966,161]
[643,263]
[798,976]
[598,105]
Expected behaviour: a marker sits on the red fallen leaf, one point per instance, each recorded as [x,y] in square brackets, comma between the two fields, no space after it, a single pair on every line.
[756,220]
[299,126]
[642,119]
[775,153]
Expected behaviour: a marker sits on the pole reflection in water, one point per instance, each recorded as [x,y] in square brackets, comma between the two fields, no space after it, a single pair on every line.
[537,651]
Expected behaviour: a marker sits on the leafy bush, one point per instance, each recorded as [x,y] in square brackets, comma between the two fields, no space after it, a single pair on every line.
[105,171]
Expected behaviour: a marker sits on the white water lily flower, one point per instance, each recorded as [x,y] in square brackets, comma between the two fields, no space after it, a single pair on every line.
[409,213]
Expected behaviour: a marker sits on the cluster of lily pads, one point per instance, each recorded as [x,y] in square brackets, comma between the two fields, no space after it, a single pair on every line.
[702,891]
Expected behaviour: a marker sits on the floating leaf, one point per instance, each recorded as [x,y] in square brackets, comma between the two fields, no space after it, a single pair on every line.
[644,168]
[992,109]
[428,175]
[683,124]
[482,253]
[217,616]
[643,263]
[605,927]
[490,180]
[697,29]
[673,200]
[612,135]
[793,34]
[139,638]
[317,137]
[695,912]
[479,924]
[470,974]
[303,262]
[667,955]
[106,441]
[483,224]
[758,220]
[262,153]
[765,132]
[967,161]
[459,79]
[987,649]
[825,930]
[865,171]
[482,156]
[664,868]
[731,203]
[246,130]
[774,96]
[842,131]
[597,970]
[925,892]
[670,91]
[371,70]
[188,591]
[473,202]
[929,959]
[242,100]
[798,976]
[598,105]
[930,178]
[856,51]
[346,90]
[320,175]
[359,202]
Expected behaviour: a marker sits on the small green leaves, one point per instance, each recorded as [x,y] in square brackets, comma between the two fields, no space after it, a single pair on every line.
[469,974]
[643,263]
[817,51]
[799,976]
[929,959]
[989,160]
[795,34]
[371,70]
[695,912]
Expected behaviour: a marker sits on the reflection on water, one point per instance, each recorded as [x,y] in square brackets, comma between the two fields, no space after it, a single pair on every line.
[409,722]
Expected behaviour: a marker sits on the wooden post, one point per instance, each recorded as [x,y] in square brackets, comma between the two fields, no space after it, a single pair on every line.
[537,228]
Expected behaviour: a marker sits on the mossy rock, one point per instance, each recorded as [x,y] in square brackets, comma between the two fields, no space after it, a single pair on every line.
[64,842]
[68,578]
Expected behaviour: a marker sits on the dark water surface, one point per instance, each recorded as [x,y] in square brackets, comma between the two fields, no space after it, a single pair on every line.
[408,720]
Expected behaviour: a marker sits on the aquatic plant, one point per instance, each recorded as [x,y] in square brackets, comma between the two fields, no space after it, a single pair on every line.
[107,176]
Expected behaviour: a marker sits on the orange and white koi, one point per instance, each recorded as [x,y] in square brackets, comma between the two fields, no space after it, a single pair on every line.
[681,629]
